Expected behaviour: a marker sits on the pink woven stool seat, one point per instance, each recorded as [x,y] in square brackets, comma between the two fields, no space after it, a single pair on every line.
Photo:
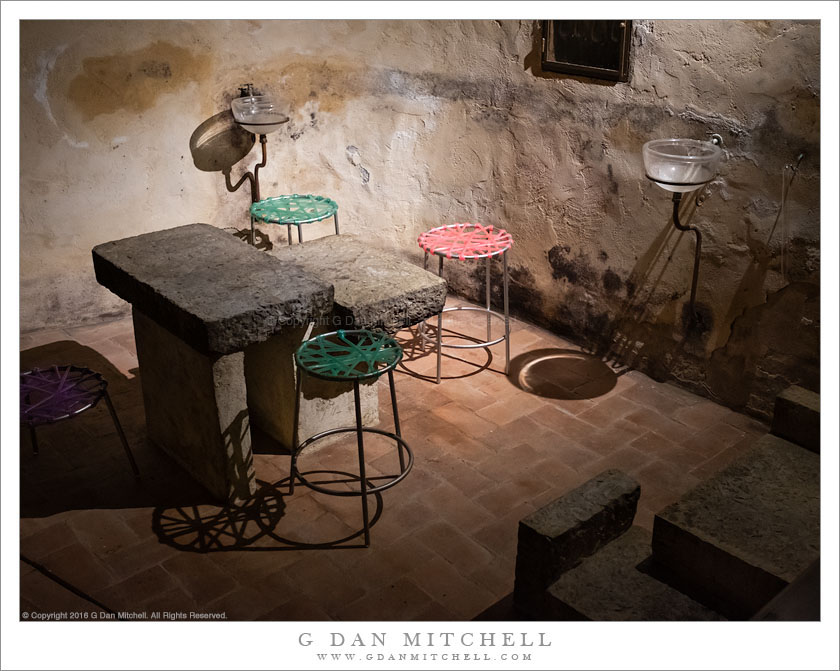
[466,241]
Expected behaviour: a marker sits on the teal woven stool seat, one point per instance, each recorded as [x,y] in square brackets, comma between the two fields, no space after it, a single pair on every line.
[350,356]
[295,210]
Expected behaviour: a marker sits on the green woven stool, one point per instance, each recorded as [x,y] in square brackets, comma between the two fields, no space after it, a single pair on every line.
[295,210]
[350,356]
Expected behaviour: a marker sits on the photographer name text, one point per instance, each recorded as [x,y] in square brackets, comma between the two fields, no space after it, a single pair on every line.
[444,639]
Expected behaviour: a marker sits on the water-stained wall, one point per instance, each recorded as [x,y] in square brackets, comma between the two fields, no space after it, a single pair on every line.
[125,129]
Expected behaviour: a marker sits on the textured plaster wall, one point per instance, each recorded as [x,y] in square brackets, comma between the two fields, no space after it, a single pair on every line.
[409,125]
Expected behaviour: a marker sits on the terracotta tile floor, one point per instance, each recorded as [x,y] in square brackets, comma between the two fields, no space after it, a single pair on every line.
[444,545]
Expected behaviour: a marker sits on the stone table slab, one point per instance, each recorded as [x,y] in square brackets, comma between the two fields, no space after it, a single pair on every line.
[373,288]
[202,300]
[210,290]
[740,537]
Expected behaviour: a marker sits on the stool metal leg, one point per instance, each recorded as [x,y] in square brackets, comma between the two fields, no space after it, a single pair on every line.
[362,477]
[295,438]
[300,232]
[440,325]
[289,233]
[507,313]
[253,239]
[396,418]
[421,327]
[487,289]
[33,439]
[121,434]
[335,219]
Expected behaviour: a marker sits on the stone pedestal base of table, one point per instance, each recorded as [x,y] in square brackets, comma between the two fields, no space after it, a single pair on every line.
[270,377]
[196,409]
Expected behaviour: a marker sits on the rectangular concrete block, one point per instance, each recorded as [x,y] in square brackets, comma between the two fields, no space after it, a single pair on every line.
[562,533]
[796,417]
[739,538]
[612,585]
[208,288]
[373,288]
[270,375]
[196,409]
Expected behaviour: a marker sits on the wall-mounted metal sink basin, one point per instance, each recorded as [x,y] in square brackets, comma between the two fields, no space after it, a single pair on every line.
[258,114]
[681,165]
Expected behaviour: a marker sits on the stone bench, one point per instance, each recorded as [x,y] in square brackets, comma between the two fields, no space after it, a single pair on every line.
[201,301]
[373,288]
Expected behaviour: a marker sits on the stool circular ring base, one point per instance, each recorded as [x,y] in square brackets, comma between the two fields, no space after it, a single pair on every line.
[487,343]
[372,490]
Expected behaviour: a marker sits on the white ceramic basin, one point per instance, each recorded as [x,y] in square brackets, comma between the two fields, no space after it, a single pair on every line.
[681,165]
[258,114]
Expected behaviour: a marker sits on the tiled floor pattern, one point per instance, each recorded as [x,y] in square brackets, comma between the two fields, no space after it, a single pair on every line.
[444,546]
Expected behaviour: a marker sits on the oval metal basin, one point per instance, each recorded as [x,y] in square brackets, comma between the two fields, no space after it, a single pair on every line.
[679,164]
[258,114]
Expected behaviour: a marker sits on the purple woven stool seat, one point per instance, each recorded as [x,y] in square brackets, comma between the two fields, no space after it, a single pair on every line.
[59,392]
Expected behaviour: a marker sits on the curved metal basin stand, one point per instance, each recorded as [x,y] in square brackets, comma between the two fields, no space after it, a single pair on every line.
[677,199]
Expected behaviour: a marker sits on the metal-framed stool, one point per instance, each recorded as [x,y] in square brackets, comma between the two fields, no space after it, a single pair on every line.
[294,210]
[60,392]
[350,356]
[467,242]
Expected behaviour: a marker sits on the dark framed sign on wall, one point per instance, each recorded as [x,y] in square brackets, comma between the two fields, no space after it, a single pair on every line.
[598,49]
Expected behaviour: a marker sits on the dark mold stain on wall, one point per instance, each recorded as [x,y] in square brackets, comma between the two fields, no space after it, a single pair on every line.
[524,297]
[772,138]
[700,323]
[611,281]
[575,270]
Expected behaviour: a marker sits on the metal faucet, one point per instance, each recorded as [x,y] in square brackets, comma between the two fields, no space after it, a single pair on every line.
[248,90]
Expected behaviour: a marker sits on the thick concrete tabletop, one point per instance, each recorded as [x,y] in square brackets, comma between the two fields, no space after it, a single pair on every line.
[373,288]
[208,288]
